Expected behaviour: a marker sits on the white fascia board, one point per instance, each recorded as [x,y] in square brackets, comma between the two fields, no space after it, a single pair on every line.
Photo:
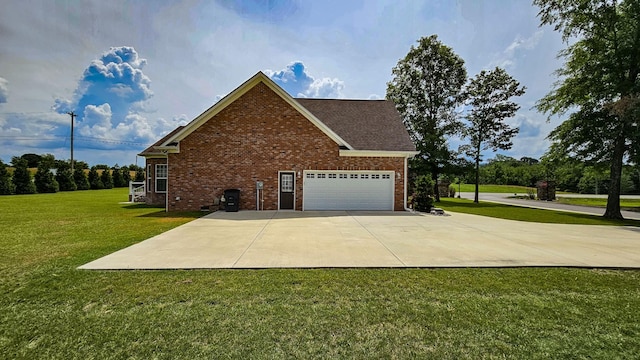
[237,93]
[378,153]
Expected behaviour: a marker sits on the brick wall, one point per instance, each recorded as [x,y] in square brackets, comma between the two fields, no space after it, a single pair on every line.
[153,197]
[251,140]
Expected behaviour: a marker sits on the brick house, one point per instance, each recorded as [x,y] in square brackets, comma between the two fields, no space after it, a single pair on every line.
[306,154]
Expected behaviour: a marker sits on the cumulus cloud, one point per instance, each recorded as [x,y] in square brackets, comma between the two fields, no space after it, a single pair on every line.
[507,58]
[298,82]
[4,90]
[110,101]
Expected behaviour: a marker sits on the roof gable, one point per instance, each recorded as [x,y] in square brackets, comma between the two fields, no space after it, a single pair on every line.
[170,142]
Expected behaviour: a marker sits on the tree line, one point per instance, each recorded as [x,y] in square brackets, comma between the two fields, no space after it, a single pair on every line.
[570,176]
[54,175]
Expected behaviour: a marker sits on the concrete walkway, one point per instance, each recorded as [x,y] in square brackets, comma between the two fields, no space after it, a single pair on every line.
[250,239]
[504,198]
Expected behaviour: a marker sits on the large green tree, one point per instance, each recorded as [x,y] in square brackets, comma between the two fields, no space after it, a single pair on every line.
[489,95]
[599,84]
[426,87]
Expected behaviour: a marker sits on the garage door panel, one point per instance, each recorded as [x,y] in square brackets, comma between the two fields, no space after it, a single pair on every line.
[372,190]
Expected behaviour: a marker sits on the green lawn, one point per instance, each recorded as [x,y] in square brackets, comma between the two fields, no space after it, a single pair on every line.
[50,310]
[625,204]
[507,189]
[511,212]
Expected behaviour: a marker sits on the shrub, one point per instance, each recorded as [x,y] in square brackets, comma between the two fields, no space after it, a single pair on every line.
[118,178]
[64,177]
[452,191]
[80,179]
[6,185]
[107,179]
[22,177]
[422,199]
[44,179]
[94,179]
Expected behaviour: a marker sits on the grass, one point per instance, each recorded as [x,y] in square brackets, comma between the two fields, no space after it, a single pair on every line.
[48,309]
[625,204]
[511,212]
[507,189]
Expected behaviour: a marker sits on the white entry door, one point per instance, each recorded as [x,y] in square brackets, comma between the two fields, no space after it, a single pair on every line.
[348,190]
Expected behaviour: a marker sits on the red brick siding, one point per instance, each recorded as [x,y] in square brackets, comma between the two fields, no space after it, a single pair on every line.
[251,140]
[152,197]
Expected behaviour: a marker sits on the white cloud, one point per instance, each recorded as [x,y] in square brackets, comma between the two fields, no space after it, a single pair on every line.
[509,56]
[297,81]
[4,90]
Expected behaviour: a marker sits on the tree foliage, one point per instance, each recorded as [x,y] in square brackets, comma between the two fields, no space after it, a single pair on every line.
[426,87]
[118,178]
[95,183]
[489,95]
[599,84]
[64,177]
[107,179]
[22,180]
[80,179]
[44,179]
[6,185]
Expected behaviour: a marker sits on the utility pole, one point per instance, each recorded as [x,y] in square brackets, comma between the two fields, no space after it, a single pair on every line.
[73,115]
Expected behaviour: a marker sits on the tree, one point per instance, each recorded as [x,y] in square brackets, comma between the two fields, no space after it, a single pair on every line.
[107,179]
[126,175]
[6,186]
[599,84]
[489,95]
[94,179]
[22,177]
[44,179]
[118,178]
[80,178]
[139,174]
[32,160]
[427,88]
[64,177]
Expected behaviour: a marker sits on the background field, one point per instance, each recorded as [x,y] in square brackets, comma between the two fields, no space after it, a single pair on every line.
[48,309]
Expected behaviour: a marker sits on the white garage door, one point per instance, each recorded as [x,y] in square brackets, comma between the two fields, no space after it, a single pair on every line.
[348,190]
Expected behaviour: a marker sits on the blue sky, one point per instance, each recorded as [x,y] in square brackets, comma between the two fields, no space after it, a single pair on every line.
[133,71]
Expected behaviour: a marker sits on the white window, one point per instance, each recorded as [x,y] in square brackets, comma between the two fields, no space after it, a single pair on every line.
[364,176]
[353,176]
[332,176]
[386,176]
[161,178]
[375,176]
[310,176]
[343,176]
[322,176]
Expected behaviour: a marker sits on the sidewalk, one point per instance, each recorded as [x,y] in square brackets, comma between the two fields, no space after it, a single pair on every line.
[503,198]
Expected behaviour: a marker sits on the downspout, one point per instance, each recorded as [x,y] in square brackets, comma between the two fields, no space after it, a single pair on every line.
[405,183]
[166,194]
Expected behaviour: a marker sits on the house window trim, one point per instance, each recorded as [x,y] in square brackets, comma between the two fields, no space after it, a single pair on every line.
[161,178]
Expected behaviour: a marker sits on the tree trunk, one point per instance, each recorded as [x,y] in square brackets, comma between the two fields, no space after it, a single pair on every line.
[613,200]
[434,176]
[475,197]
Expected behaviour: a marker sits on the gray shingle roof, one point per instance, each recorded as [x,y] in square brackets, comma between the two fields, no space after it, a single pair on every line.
[364,124]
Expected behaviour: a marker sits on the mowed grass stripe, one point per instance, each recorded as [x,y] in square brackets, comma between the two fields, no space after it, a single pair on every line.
[49,309]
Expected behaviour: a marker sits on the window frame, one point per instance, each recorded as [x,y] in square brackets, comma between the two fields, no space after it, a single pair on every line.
[165,178]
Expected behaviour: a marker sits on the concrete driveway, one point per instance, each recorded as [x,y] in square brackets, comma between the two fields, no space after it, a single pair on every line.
[269,239]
